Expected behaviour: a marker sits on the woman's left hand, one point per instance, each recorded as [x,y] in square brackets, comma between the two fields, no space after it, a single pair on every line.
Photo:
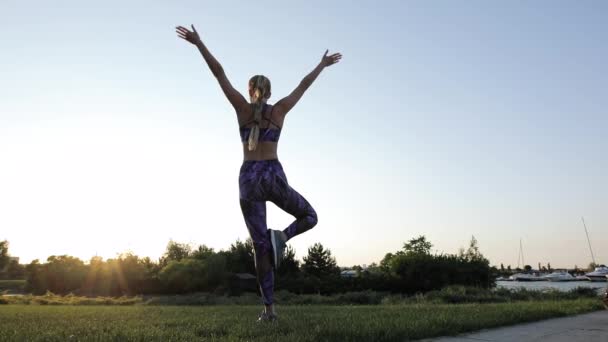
[329,60]
[190,36]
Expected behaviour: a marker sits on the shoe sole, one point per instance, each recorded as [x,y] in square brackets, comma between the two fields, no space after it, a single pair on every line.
[273,240]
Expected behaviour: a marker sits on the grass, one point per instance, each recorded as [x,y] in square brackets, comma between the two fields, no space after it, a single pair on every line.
[448,295]
[297,323]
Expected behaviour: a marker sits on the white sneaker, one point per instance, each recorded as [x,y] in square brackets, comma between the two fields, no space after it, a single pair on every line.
[267,317]
[278,247]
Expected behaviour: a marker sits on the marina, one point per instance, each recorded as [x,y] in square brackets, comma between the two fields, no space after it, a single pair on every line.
[542,285]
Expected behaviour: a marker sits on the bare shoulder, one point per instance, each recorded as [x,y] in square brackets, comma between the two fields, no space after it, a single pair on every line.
[244,115]
[277,115]
[279,109]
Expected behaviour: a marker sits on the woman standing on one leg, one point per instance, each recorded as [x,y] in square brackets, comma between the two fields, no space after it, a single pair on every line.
[261,176]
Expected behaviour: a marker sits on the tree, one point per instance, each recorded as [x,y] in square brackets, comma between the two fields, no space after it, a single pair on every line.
[4,259]
[502,267]
[472,253]
[175,252]
[202,252]
[357,268]
[64,273]
[385,263]
[418,245]
[190,274]
[239,257]
[35,280]
[289,264]
[319,262]
[14,270]
[528,268]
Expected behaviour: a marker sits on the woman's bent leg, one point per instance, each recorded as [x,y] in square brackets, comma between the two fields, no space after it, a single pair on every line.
[288,199]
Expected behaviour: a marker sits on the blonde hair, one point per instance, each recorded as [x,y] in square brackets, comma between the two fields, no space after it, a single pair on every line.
[261,90]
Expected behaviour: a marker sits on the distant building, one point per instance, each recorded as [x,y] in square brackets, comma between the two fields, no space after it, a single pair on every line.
[348,273]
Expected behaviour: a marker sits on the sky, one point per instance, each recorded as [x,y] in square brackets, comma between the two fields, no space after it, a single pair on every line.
[444,119]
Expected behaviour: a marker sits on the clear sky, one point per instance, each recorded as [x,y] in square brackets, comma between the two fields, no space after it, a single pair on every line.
[448,119]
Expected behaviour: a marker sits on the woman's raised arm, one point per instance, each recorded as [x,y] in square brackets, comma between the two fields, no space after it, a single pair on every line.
[236,99]
[287,103]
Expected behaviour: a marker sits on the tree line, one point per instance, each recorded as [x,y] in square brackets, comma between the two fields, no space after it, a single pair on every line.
[183,269]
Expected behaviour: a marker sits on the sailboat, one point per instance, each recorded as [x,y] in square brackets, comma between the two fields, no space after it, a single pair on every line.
[524,276]
[600,273]
[560,275]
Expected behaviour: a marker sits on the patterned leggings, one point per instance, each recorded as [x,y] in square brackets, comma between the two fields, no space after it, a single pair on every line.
[261,181]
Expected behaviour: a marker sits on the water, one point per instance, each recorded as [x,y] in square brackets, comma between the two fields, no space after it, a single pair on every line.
[560,285]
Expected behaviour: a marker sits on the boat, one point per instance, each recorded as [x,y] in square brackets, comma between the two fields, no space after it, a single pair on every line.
[527,277]
[559,276]
[599,274]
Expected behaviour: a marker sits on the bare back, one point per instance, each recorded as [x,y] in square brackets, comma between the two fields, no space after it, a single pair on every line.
[265,149]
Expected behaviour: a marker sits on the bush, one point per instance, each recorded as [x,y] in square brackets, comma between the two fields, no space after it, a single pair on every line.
[190,275]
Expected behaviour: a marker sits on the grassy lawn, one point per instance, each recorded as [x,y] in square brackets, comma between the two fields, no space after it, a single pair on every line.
[297,323]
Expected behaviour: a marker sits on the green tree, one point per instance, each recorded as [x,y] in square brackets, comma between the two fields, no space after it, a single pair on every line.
[35,280]
[418,245]
[319,262]
[175,252]
[130,273]
[385,263]
[472,253]
[4,259]
[14,270]
[183,276]
[202,252]
[64,273]
[189,274]
[289,265]
[239,257]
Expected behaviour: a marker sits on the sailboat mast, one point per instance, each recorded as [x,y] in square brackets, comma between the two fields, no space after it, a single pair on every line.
[520,255]
[588,241]
[521,250]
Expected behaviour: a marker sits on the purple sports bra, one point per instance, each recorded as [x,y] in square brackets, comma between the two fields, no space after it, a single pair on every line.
[266,134]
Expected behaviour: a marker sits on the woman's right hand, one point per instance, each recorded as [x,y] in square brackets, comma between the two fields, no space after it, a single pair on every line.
[329,60]
[190,36]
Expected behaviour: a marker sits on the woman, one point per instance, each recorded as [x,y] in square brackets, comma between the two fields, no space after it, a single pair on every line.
[261,176]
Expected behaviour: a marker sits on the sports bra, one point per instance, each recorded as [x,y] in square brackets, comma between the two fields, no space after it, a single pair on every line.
[266,134]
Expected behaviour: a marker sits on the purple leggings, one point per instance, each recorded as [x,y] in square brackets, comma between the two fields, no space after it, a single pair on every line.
[261,181]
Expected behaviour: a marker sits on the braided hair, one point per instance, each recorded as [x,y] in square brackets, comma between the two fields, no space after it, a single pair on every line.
[261,91]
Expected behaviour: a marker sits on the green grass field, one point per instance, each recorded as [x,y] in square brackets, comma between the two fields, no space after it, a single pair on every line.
[297,323]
